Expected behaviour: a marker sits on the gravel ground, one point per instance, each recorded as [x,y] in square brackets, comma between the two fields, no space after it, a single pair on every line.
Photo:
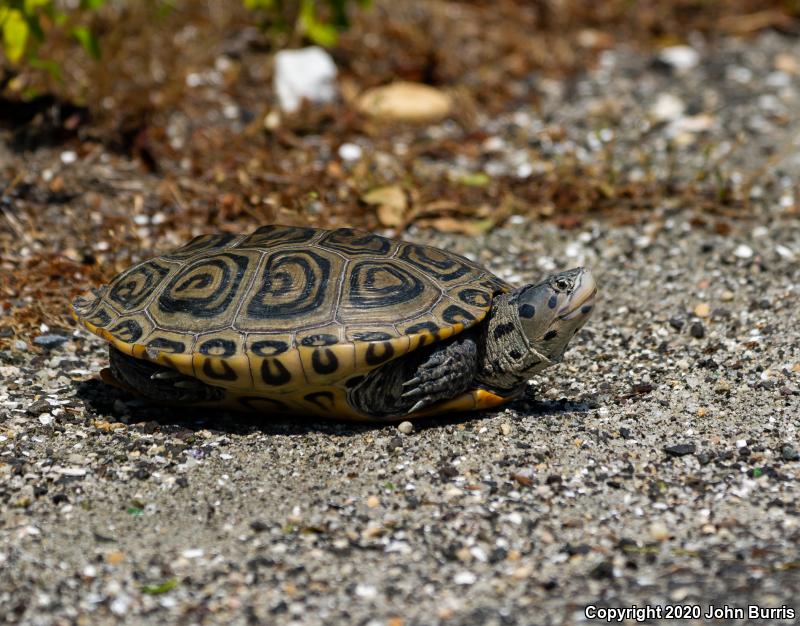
[658,465]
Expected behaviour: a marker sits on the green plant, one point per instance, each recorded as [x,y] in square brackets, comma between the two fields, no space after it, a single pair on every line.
[23,24]
[320,20]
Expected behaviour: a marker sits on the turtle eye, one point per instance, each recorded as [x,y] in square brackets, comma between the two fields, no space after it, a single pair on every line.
[562,284]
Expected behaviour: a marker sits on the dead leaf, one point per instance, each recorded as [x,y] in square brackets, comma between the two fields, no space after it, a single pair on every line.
[405,102]
[787,63]
[754,22]
[391,202]
[460,226]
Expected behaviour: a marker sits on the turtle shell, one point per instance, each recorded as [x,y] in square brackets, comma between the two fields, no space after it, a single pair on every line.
[288,317]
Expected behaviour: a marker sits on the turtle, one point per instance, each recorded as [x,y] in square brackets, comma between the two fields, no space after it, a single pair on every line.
[337,323]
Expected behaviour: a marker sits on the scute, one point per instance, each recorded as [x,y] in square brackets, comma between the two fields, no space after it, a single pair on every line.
[286,316]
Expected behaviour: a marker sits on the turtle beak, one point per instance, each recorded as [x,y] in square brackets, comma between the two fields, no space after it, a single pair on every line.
[581,301]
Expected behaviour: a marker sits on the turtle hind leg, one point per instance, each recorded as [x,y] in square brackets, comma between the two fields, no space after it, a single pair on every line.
[157,382]
[440,372]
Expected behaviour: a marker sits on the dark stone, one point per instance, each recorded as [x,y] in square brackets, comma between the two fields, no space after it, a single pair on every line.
[259,526]
[602,570]
[395,443]
[38,407]
[581,549]
[676,323]
[704,458]
[680,449]
[49,341]
[447,471]
[789,453]
[625,433]
[697,330]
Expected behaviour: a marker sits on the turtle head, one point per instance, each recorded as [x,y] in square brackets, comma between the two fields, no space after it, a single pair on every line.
[552,311]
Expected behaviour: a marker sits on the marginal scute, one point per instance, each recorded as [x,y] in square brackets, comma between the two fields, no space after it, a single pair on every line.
[274,362]
[219,359]
[129,330]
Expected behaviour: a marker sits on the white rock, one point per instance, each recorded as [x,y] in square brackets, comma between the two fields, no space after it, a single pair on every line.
[406,427]
[304,73]
[350,152]
[680,57]
[366,591]
[69,156]
[667,107]
[192,553]
[743,251]
[465,578]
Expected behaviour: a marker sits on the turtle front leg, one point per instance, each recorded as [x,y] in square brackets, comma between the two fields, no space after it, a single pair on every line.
[440,372]
[443,375]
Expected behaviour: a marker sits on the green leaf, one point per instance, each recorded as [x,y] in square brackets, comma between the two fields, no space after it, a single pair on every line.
[32,5]
[91,5]
[135,511]
[33,24]
[87,39]
[51,67]
[254,5]
[15,34]
[154,590]
[477,179]
[319,32]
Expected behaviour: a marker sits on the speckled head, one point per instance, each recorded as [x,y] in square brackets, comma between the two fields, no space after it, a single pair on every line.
[554,310]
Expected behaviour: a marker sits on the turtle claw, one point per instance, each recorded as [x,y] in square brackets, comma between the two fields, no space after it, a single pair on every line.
[186,384]
[413,381]
[419,405]
[166,375]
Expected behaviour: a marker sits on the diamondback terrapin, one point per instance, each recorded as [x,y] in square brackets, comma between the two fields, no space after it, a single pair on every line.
[337,323]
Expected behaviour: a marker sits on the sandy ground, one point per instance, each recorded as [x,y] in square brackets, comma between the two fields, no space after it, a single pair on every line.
[657,466]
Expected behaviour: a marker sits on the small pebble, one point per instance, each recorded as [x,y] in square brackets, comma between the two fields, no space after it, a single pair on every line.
[49,341]
[789,453]
[350,152]
[465,578]
[680,449]
[743,251]
[679,57]
[406,427]
[659,531]
[697,330]
[704,458]
[702,310]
